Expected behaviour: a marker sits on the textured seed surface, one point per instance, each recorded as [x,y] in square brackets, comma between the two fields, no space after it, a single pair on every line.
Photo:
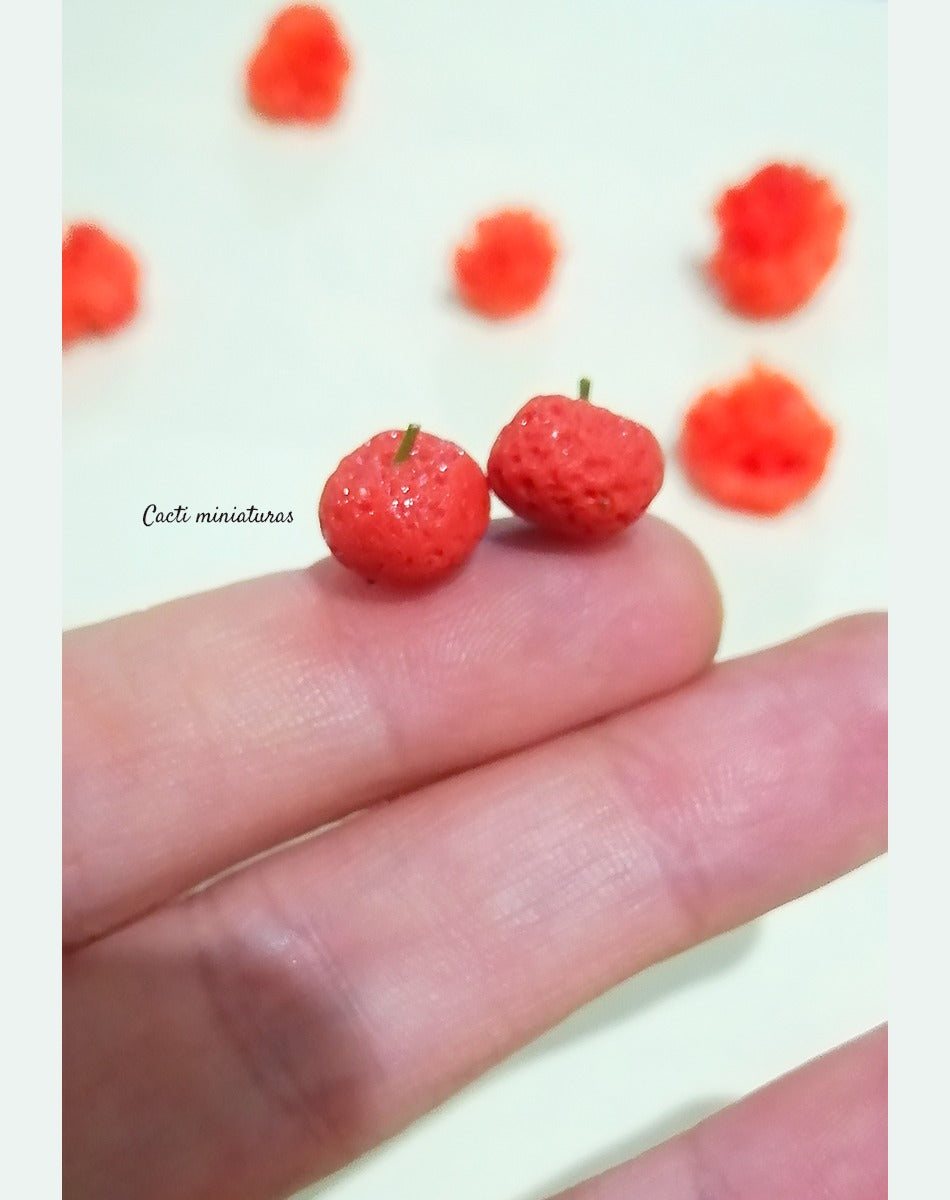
[100,283]
[779,235]
[757,445]
[575,469]
[407,522]
[299,70]
[506,266]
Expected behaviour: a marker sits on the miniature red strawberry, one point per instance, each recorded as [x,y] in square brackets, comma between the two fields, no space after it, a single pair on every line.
[577,470]
[299,70]
[757,445]
[507,264]
[405,507]
[100,283]
[778,239]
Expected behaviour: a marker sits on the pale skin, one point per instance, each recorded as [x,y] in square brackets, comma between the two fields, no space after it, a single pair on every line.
[548,787]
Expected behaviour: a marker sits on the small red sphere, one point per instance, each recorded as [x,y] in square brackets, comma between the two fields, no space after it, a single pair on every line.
[757,445]
[575,469]
[779,234]
[506,266]
[299,70]
[100,283]
[405,515]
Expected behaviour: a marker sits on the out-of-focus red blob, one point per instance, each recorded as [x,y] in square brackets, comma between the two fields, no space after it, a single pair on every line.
[506,266]
[299,70]
[100,283]
[758,444]
[779,234]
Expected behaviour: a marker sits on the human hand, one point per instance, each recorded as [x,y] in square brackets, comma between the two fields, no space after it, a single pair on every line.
[546,789]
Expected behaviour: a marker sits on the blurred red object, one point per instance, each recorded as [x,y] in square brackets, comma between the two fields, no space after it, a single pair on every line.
[758,445]
[779,234]
[100,283]
[299,70]
[507,265]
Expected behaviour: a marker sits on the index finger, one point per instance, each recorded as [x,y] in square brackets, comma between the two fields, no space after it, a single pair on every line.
[212,729]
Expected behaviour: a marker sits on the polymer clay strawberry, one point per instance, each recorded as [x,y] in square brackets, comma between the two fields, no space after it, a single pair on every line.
[506,265]
[100,283]
[779,233]
[406,507]
[758,444]
[299,70]
[574,469]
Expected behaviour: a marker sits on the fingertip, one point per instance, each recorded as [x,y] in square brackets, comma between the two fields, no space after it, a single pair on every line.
[691,581]
[649,591]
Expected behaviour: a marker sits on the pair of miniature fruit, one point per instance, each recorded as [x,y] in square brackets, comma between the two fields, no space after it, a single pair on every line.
[409,508]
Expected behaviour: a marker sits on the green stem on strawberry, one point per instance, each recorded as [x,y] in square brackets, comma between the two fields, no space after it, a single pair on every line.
[584,390]
[405,446]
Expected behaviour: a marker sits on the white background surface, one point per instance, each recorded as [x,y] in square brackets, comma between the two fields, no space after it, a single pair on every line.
[297,299]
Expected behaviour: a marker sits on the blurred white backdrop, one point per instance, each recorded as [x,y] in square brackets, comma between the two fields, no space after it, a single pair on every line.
[297,298]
